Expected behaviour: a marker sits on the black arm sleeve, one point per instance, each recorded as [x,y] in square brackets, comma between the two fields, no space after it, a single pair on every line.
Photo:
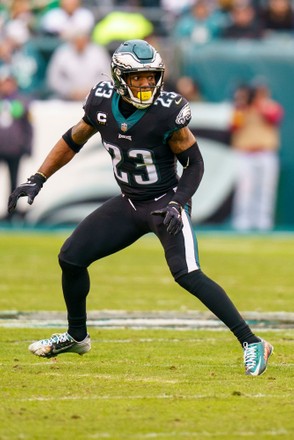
[67,137]
[193,170]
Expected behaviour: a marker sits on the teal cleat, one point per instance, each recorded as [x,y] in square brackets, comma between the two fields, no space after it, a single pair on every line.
[256,356]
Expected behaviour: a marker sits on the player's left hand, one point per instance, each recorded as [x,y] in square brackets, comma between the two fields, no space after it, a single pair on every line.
[172,217]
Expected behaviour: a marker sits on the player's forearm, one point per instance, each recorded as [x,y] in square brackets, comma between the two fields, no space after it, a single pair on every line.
[67,147]
[193,170]
[59,156]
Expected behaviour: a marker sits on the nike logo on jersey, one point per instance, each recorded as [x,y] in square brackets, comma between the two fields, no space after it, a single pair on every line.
[177,101]
[187,164]
[160,197]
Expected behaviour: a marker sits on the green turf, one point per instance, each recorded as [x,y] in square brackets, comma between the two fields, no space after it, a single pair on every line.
[139,384]
[146,384]
[256,272]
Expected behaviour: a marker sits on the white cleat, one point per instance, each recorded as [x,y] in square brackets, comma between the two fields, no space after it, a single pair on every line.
[60,343]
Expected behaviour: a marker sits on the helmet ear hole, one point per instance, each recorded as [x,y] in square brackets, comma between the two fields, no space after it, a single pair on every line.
[136,56]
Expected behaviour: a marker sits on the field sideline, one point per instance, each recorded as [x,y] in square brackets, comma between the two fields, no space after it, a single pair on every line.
[146,383]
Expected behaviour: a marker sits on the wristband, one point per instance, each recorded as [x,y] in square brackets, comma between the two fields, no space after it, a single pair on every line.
[42,175]
[177,205]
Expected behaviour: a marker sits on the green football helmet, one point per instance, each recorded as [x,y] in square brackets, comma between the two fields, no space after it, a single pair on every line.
[136,56]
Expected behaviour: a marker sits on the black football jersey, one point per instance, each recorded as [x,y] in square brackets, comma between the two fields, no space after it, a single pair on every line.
[143,163]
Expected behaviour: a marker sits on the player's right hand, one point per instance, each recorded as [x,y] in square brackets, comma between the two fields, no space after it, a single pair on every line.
[172,214]
[30,189]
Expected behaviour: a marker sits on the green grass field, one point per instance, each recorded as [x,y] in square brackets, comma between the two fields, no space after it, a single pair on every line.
[147,384]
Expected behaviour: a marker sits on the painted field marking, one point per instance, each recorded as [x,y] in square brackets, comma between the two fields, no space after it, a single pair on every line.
[144,320]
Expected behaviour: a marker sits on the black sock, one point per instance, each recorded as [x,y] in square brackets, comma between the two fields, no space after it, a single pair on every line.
[218,302]
[77,328]
[75,285]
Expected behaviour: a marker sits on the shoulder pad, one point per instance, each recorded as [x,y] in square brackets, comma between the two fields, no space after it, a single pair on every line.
[184,116]
[179,107]
[102,90]
[171,100]
[168,99]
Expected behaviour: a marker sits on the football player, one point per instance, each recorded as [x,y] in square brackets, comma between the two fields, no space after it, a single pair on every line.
[145,130]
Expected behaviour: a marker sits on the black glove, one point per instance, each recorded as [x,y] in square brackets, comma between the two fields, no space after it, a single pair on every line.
[30,189]
[172,217]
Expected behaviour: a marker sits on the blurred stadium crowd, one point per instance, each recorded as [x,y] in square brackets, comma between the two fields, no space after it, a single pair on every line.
[46,44]
[58,49]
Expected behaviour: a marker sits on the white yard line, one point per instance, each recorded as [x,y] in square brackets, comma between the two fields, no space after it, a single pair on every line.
[144,320]
[140,397]
[198,435]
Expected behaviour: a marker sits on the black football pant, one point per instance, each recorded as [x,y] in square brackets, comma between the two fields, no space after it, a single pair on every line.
[117,224]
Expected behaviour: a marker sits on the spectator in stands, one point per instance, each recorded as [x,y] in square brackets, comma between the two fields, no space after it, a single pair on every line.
[76,66]
[189,88]
[24,59]
[256,140]
[150,3]
[126,2]
[278,16]
[3,11]
[16,130]
[227,5]
[69,15]
[139,3]
[21,11]
[244,22]
[201,24]
[176,7]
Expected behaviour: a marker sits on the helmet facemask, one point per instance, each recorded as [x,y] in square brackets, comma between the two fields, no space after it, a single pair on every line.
[137,56]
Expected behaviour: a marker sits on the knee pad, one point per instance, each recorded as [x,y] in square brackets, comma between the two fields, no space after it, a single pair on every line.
[191,280]
[69,268]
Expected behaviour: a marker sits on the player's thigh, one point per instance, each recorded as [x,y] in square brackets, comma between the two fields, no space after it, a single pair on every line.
[181,251]
[105,231]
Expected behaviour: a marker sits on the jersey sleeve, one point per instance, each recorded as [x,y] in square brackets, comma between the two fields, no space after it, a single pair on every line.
[88,105]
[182,112]
[179,113]
[102,91]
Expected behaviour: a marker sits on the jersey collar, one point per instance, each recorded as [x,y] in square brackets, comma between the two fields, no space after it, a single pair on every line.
[124,123]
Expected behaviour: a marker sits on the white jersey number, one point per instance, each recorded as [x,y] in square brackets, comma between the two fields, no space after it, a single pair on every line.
[143,161]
